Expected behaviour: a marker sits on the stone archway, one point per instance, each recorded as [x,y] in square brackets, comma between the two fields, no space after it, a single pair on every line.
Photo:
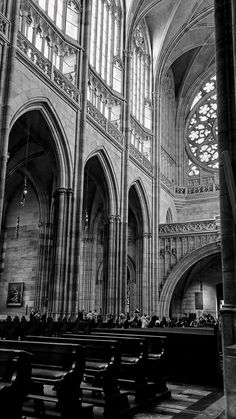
[36,172]
[98,280]
[180,270]
[139,241]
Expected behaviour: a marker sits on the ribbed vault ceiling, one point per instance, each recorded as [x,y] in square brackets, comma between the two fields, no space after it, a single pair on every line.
[182,37]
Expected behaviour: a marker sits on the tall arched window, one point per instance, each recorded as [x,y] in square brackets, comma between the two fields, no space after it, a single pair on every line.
[106,41]
[65,14]
[141,77]
[51,43]
[169,217]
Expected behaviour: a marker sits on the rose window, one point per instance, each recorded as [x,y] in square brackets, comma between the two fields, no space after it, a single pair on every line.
[202,129]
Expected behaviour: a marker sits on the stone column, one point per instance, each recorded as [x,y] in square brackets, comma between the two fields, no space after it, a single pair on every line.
[61,249]
[67,247]
[157,127]
[43,269]
[124,194]
[77,244]
[225,75]
[147,283]
[6,81]
[110,262]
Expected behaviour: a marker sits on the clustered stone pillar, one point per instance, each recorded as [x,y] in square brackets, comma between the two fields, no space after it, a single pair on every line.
[111,274]
[79,164]
[43,268]
[225,76]
[6,83]
[156,197]
[125,196]
[59,280]
[147,288]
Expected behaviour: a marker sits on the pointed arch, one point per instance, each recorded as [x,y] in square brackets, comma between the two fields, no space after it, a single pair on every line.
[110,177]
[143,200]
[169,216]
[178,271]
[59,138]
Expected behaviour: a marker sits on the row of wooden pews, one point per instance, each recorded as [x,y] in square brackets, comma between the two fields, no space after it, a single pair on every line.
[194,354]
[59,366]
[15,376]
[119,374]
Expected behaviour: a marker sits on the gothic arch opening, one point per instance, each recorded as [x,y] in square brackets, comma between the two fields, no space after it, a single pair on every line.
[96,237]
[197,291]
[135,246]
[33,175]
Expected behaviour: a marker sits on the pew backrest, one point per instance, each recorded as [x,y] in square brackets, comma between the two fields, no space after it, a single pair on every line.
[94,349]
[47,354]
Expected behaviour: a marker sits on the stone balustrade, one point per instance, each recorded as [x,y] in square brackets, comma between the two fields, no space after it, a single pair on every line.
[45,66]
[178,240]
[4,28]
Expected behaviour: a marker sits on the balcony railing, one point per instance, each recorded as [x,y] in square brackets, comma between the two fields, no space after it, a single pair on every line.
[141,158]
[4,27]
[103,123]
[177,240]
[45,66]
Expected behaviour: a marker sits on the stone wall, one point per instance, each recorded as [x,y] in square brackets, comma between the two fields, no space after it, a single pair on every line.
[19,258]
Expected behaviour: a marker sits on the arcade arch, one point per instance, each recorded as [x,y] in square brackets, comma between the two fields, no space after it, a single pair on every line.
[186,278]
[37,168]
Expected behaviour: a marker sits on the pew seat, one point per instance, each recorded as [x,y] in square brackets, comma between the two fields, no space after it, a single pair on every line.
[102,363]
[60,366]
[15,376]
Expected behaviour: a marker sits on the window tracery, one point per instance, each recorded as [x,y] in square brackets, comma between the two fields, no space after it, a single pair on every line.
[106,42]
[141,77]
[202,130]
[64,13]
[62,55]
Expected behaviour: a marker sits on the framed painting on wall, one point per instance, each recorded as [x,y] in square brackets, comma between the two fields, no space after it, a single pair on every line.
[199,300]
[15,294]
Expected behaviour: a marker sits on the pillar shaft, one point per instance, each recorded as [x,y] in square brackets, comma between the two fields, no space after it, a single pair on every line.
[6,79]
[77,244]
[125,196]
[225,76]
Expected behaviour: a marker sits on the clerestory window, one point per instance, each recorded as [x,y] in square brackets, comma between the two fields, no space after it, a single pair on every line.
[141,77]
[62,55]
[64,13]
[106,42]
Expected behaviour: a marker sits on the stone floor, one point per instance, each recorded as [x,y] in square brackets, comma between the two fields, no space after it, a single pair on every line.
[187,401]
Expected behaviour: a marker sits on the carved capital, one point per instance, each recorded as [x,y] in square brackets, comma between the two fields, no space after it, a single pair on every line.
[63,191]
[128,53]
[112,219]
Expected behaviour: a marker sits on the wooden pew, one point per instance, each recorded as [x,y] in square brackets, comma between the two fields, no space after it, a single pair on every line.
[15,376]
[132,374]
[102,363]
[187,361]
[60,366]
[157,357]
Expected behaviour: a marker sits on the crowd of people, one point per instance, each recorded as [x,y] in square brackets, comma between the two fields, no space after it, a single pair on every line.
[14,328]
[145,320]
